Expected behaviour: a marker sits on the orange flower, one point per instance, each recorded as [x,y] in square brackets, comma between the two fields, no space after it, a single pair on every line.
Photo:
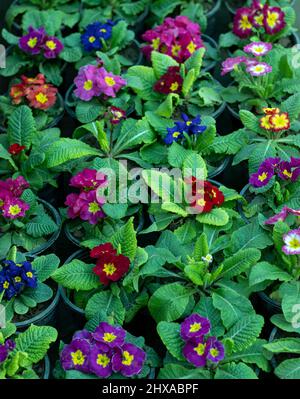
[41,97]
[17,91]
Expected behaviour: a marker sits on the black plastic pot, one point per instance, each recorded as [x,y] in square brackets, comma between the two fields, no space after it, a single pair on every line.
[268,305]
[214,24]
[47,369]
[216,171]
[210,41]
[47,317]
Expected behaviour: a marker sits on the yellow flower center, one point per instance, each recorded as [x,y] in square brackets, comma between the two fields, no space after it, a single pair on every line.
[32,42]
[109,269]
[14,210]
[263,176]
[78,358]
[103,30]
[109,337]
[94,207]
[259,19]
[92,39]
[176,134]
[41,98]
[127,358]
[272,18]
[6,284]
[88,85]
[191,47]
[280,121]
[51,44]
[259,49]
[214,352]
[259,68]
[103,360]
[294,243]
[174,86]
[245,24]
[201,202]
[195,327]
[156,43]
[175,49]
[18,279]
[200,349]
[29,274]
[265,122]
[109,81]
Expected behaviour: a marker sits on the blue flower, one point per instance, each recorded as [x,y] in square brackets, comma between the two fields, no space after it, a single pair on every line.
[16,276]
[174,133]
[7,285]
[91,38]
[192,126]
[28,275]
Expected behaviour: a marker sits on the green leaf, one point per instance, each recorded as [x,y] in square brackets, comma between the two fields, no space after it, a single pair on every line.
[65,150]
[245,331]
[194,165]
[142,79]
[284,345]
[177,371]
[161,62]
[195,61]
[288,369]
[45,266]
[188,82]
[87,112]
[77,275]
[216,217]
[105,306]
[264,271]
[238,371]
[290,293]
[170,335]
[21,126]
[251,235]
[169,302]
[201,247]
[292,106]
[40,294]
[41,226]
[206,309]
[240,262]
[35,341]
[125,237]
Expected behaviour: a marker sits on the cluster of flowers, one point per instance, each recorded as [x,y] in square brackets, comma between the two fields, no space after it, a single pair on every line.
[204,196]
[271,166]
[198,349]
[110,266]
[177,37]
[258,17]
[116,115]
[275,120]
[95,33]
[94,80]
[103,352]
[186,126]
[87,204]
[11,206]
[5,348]
[14,277]
[37,41]
[254,66]
[292,238]
[170,82]
[38,93]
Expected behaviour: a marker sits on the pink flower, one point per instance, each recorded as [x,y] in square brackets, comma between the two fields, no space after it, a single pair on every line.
[73,206]
[259,69]
[230,63]
[15,187]
[86,85]
[292,242]
[88,179]
[90,207]
[108,83]
[282,215]
[258,48]
[14,208]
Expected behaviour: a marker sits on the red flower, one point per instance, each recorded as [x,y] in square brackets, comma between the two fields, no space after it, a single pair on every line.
[117,115]
[41,97]
[102,249]
[17,91]
[204,195]
[170,82]
[38,80]
[214,193]
[15,149]
[111,267]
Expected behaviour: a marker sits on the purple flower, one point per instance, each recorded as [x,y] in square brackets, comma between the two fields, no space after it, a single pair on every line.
[128,360]
[90,206]
[101,360]
[271,163]
[88,179]
[3,353]
[109,83]
[259,69]
[285,170]
[10,345]
[194,326]
[216,350]
[262,177]
[292,242]
[109,335]
[32,42]
[83,334]
[14,208]
[230,63]
[75,356]
[195,351]
[282,215]
[258,48]
[86,85]
[52,47]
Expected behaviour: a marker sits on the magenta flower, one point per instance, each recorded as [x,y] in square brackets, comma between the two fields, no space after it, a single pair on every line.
[32,42]
[282,215]
[230,63]
[128,360]
[15,187]
[259,69]
[86,85]
[262,177]
[242,25]
[108,83]
[195,351]
[90,207]
[52,47]
[109,335]
[292,242]
[216,350]
[73,205]
[75,356]
[100,360]
[14,208]
[274,19]
[258,48]
[194,326]
[88,179]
